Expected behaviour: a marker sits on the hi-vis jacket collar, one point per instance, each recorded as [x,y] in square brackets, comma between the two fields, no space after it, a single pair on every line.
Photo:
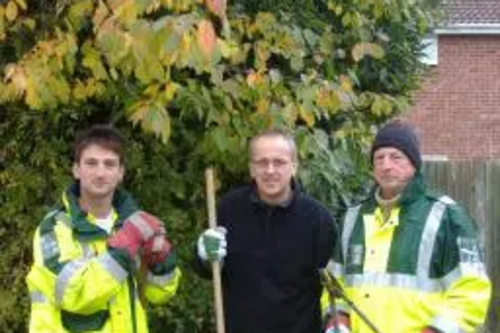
[84,229]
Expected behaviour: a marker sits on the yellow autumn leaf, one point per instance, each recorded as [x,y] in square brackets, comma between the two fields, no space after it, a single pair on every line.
[11,11]
[22,4]
[16,75]
[262,106]
[170,91]
[345,83]
[100,14]
[360,50]
[307,116]
[322,96]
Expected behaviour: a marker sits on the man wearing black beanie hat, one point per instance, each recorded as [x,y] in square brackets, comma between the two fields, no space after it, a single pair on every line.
[401,136]
[409,257]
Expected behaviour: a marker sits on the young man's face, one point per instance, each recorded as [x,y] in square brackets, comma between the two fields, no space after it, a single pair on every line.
[272,167]
[99,171]
[392,170]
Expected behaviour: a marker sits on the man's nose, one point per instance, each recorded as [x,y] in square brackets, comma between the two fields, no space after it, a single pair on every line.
[100,169]
[270,167]
[385,162]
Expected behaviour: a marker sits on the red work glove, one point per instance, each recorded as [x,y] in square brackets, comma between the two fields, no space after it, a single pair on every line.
[137,229]
[156,250]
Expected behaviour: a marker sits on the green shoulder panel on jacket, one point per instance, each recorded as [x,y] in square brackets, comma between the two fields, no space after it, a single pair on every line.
[49,245]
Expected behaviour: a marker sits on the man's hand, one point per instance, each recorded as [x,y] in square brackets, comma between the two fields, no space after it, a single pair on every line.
[137,229]
[343,324]
[212,244]
[156,250]
[340,329]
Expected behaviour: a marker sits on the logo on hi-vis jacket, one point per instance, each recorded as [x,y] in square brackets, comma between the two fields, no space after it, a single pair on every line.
[355,255]
[469,251]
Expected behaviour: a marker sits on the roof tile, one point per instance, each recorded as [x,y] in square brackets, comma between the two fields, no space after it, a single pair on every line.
[472,12]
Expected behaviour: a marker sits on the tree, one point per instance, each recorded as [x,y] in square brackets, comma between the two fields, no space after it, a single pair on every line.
[201,77]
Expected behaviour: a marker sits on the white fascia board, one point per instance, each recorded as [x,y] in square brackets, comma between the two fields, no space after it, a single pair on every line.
[469,29]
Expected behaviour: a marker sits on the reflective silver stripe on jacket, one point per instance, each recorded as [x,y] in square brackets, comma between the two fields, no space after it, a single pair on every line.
[429,236]
[349,222]
[64,218]
[161,280]
[112,266]
[87,250]
[394,280]
[138,221]
[446,325]
[49,245]
[38,297]
[464,269]
[65,276]
[409,282]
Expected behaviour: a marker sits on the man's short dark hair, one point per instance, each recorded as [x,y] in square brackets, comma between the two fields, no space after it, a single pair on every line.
[105,136]
[275,133]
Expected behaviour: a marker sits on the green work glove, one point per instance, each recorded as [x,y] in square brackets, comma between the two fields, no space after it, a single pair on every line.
[212,244]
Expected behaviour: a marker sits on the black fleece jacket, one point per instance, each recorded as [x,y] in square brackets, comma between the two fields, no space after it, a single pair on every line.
[270,277]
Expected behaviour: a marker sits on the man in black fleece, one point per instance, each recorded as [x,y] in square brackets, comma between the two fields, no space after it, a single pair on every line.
[271,241]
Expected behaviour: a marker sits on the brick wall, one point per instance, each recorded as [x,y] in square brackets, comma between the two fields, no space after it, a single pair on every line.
[457,111]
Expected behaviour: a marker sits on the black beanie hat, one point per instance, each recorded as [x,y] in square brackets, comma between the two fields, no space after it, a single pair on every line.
[401,136]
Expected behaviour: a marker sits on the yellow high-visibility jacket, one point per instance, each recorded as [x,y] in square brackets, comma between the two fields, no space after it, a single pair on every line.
[421,268]
[78,284]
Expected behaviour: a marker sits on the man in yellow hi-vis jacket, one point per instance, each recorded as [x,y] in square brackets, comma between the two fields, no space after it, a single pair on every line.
[410,259]
[98,254]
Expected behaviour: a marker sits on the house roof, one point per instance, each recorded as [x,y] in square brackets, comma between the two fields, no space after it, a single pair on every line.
[465,17]
[472,12]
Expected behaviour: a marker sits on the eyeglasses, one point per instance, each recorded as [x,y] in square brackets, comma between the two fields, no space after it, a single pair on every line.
[263,164]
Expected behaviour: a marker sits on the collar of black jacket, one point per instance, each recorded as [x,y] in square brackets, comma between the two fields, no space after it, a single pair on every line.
[296,189]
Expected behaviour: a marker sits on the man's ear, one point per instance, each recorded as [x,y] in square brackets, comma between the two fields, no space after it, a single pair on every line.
[75,171]
[294,169]
[252,172]
[122,173]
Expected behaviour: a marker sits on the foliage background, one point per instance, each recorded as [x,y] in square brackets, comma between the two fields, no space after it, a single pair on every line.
[188,82]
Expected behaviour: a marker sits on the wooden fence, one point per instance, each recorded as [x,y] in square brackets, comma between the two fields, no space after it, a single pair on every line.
[476,184]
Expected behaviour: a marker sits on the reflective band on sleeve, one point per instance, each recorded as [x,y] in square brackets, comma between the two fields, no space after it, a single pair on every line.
[402,281]
[476,270]
[429,238]
[138,221]
[335,269]
[161,280]
[446,325]
[112,266]
[349,222]
[65,276]
[38,297]
[50,248]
